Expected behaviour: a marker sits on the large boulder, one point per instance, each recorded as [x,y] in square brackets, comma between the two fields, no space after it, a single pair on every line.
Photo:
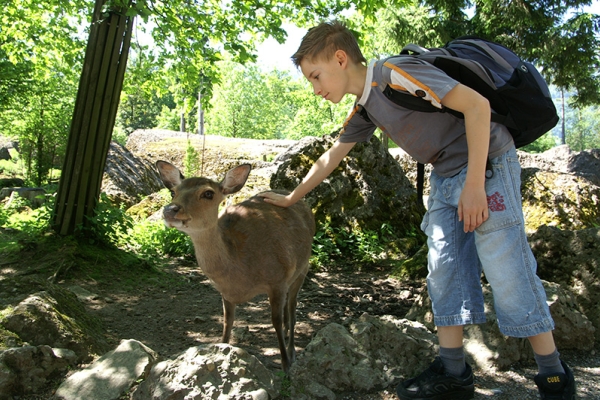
[367,191]
[29,369]
[209,372]
[56,318]
[35,196]
[127,178]
[572,259]
[111,375]
[370,354]
[561,188]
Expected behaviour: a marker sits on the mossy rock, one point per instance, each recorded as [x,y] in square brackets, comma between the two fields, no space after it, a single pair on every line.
[55,317]
[563,200]
[365,192]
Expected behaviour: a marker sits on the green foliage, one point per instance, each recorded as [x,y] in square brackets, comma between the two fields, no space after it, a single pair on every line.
[583,126]
[272,105]
[109,225]
[191,162]
[40,59]
[334,245]
[20,223]
[145,91]
[153,239]
[546,142]
[110,228]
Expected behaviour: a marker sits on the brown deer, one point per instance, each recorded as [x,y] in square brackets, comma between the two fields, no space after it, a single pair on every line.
[252,248]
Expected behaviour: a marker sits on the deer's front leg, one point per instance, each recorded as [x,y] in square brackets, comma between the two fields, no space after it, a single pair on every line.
[228,317]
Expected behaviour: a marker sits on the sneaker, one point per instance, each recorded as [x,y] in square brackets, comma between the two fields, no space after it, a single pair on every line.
[556,386]
[435,384]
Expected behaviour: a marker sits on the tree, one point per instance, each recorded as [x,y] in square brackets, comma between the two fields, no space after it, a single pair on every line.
[584,128]
[39,48]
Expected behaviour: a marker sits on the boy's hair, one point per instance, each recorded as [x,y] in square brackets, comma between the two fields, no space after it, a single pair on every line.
[323,40]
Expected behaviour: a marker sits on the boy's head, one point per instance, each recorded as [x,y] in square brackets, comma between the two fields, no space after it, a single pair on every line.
[322,41]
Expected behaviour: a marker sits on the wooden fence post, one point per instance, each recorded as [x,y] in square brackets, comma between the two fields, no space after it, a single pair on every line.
[93,118]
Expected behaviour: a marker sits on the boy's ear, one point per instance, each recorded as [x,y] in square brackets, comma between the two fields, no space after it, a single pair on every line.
[341,57]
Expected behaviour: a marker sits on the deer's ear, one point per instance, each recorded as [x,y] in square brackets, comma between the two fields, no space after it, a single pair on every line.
[169,174]
[235,179]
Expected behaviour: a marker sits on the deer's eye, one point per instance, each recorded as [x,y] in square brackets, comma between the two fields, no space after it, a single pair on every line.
[209,194]
[172,192]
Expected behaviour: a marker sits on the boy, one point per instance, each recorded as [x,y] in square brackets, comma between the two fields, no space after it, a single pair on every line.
[465,236]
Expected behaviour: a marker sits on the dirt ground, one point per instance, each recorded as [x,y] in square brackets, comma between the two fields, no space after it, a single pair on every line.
[169,318]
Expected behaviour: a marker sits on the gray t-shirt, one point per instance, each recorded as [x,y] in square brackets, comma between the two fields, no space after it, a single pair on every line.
[435,138]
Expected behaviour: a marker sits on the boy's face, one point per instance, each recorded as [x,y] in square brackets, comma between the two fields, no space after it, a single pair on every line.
[328,77]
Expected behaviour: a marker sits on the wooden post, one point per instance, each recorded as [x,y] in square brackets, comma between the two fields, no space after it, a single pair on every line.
[93,119]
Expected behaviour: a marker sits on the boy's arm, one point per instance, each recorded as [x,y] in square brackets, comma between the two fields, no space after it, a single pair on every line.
[319,171]
[472,205]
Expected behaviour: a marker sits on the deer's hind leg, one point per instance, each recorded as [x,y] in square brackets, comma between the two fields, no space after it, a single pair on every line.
[290,315]
[277,299]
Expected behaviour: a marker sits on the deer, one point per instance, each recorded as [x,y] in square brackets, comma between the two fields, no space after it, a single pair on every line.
[248,249]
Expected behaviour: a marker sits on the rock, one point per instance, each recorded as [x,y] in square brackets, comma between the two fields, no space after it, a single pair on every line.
[56,318]
[367,191]
[209,372]
[561,188]
[370,355]
[111,375]
[11,182]
[562,159]
[490,349]
[571,259]
[35,196]
[127,178]
[4,153]
[28,369]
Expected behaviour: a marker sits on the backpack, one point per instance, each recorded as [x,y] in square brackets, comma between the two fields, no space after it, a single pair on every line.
[518,95]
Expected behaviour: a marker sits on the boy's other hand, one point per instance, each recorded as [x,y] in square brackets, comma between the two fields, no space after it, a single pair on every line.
[472,207]
[277,199]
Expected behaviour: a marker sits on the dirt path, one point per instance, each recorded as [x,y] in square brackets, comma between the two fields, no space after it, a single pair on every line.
[169,318]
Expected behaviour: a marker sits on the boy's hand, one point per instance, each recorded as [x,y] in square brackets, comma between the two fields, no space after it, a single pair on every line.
[472,207]
[277,199]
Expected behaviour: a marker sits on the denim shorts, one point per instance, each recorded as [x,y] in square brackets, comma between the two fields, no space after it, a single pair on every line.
[498,248]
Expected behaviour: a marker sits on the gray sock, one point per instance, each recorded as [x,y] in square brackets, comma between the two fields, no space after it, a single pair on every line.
[453,360]
[549,364]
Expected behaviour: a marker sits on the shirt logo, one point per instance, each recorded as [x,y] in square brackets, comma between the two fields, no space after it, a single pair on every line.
[420,93]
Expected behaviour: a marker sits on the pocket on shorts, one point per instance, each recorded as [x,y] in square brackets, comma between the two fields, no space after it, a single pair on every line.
[504,209]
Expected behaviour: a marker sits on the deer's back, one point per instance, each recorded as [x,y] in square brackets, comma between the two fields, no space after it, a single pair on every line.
[255,222]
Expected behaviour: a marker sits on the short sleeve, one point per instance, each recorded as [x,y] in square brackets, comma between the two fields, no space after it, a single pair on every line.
[357,127]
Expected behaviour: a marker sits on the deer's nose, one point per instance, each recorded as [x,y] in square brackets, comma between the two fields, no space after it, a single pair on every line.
[171,209]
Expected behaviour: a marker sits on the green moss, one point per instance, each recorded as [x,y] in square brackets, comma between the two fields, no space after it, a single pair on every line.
[8,339]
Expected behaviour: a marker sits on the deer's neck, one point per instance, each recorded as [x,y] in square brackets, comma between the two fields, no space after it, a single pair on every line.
[211,253]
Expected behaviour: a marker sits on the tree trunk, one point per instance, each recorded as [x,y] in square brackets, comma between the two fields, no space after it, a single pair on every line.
[93,118]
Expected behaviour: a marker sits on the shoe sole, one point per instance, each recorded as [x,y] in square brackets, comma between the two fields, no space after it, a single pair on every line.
[445,396]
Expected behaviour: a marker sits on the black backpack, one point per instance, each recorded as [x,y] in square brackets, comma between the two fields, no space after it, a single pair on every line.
[517,93]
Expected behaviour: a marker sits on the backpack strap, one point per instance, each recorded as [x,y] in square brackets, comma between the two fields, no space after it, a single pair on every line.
[420,182]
